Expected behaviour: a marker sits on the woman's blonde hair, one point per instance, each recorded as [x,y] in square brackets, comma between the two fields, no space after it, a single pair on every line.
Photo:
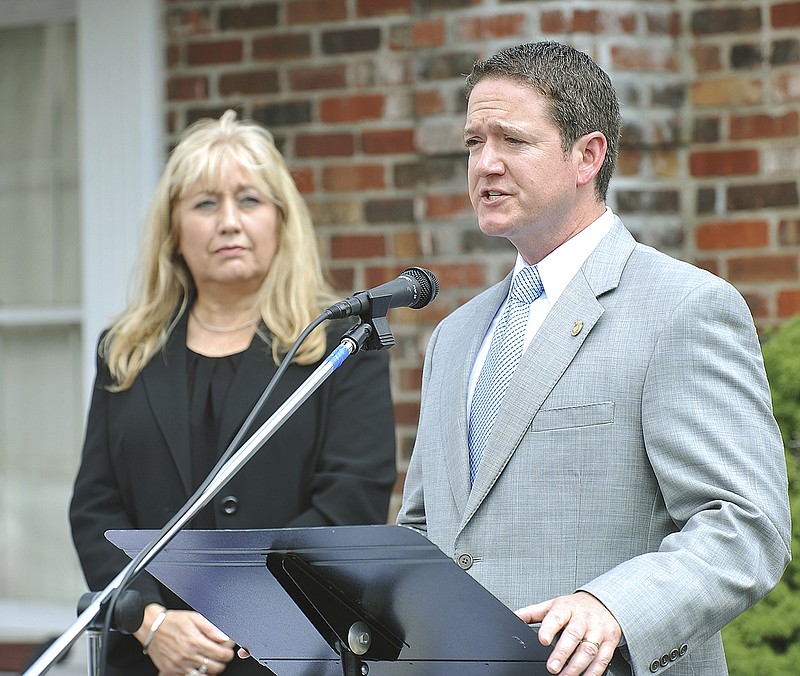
[294,291]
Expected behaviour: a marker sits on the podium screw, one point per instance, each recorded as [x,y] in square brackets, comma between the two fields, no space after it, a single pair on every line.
[359,638]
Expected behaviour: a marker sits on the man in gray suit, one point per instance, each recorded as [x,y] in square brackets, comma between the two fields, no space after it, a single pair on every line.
[627,486]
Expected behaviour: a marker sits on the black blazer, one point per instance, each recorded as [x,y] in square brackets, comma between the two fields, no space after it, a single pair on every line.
[331,463]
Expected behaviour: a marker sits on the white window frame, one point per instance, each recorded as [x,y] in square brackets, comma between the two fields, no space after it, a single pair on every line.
[120,73]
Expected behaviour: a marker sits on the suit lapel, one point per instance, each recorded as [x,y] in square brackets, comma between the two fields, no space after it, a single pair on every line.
[166,384]
[550,353]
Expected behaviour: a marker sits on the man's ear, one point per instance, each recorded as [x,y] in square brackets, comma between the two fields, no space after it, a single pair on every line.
[592,152]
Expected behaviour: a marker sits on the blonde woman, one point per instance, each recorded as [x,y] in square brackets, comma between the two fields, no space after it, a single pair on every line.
[230,275]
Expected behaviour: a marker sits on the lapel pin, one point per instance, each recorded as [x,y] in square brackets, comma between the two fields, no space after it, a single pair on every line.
[577,327]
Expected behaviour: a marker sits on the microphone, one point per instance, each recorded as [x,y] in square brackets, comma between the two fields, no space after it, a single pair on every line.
[414,288]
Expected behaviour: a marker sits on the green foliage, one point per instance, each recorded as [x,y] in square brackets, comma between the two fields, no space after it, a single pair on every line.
[765,641]
[782,361]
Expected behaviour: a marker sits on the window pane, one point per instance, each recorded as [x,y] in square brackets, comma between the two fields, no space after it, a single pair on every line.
[41,421]
[40,256]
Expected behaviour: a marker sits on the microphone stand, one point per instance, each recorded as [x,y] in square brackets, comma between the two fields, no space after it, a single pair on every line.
[352,341]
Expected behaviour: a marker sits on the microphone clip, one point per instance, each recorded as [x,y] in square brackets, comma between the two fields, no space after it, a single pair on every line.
[373,331]
[381,335]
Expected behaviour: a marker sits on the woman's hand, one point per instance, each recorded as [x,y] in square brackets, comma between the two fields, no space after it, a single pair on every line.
[185,643]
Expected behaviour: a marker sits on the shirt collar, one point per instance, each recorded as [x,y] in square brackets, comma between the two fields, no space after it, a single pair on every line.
[557,269]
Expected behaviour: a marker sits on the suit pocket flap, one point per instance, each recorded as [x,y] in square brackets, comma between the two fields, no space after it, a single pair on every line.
[567,417]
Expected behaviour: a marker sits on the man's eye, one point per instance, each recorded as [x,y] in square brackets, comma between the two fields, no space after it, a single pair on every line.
[471,142]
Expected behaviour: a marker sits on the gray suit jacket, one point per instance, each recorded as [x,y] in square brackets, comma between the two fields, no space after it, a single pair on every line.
[635,457]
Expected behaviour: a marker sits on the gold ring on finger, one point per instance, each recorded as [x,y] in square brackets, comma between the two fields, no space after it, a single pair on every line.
[594,643]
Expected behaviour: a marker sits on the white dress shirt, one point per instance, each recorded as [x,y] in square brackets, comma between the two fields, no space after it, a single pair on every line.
[556,270]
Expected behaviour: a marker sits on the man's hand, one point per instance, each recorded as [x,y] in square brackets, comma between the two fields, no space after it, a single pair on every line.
[589,633]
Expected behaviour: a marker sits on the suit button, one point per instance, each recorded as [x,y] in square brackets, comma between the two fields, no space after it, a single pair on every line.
[664,660]
[683,649]
[464,561]
[654,666]
[230,505]
[674,654]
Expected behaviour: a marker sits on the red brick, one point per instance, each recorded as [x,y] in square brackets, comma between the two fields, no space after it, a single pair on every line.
[554,21]
[732,235]
[458,275]
[789,303]
[248,18]
[389,141]
[645,58]
[315,11]
[764,126]
[324,145]
[728,92]
[378,274]
[187,88]
[406,413]
[384,7]
[785,15]
[358,246]
[789,232]
[630,163]
[487,27]
[428,102]
[353,177]
[758,304]
[304,179]
[710,264]
[707,58]
[586,21]
[351,40]
[668,23]
[410,379]
[406,244]
[351,108]
[444,206]
[337,212]
[428,33]
[724,163]
[214,51]
[172,56]
[762,196]
[318,77]
[282,46]
[342,278]
[249,82]
[389,210]
[763,268]
[725,20]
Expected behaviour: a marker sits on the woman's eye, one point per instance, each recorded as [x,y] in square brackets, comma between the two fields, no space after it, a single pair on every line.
[250,200]
[205,204]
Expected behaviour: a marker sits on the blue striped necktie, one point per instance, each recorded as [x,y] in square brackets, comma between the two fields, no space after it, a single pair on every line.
[504,354]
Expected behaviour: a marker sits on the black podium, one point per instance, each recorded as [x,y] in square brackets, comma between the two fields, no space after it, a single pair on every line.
[378,600]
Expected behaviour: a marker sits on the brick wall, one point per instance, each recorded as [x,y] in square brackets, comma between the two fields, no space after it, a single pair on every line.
[365,99]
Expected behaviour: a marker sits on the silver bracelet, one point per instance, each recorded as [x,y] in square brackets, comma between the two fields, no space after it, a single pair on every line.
[153,629]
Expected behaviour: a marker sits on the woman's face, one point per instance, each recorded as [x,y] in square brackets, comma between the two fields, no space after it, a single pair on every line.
[227,234]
